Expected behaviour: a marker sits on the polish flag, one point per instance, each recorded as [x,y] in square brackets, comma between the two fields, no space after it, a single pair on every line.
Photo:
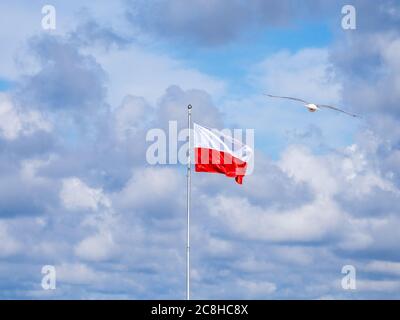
[219,153]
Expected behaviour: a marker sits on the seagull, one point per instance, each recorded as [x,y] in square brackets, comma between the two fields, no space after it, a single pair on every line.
[312,107]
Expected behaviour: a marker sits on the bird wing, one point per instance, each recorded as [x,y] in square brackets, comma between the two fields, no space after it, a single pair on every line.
[337,109]
[290,98]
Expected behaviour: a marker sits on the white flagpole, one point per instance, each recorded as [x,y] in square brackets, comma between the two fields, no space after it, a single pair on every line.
[188,207]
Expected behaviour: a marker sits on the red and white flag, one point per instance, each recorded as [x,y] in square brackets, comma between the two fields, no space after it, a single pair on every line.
[217,152]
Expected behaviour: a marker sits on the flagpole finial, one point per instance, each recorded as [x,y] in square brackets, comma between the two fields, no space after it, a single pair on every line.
[190,106]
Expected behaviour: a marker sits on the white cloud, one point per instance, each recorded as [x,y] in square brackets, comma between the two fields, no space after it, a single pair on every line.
[99,247]
[305,74]
[218,247]
[77,273]
[30,167]
[149,186]
[14,122]
[313,221]
[322,218]
[378,285]
[299,163]
[260,289]
[10,124]
[140,72]
[8,245]
[131,116]
[75,194]
[385,267]
[295,255]
[310,222]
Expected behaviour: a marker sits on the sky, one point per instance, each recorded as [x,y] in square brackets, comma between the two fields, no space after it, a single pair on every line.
[77,193]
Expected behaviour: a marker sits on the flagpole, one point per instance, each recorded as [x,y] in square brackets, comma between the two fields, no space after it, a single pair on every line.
[188,207]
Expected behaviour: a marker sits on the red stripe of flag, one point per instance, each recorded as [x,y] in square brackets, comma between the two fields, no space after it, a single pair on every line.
[215,161]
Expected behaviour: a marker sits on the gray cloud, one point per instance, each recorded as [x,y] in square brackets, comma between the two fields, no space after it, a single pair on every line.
[91,33]
[370,74]
[67,80]
[215,23]
[173,107]
[220,22]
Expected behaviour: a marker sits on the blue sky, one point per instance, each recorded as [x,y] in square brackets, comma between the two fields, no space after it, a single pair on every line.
[77,192]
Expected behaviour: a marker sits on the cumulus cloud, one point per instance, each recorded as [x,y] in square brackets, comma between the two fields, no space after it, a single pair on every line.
[385,267]
[148,74]
[307,74]
[321,219]
[214,23]
[258,289]
[8,245]
[63,76]
[15,122]
[131,116]
[221,22]
[99,247]
[23,191]
[89,33]
[379,285]
[300,225]
[77,195]
[372,86]
[77,273]
[177,99]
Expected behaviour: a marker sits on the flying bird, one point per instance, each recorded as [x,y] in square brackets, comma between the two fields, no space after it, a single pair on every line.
[312,107]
